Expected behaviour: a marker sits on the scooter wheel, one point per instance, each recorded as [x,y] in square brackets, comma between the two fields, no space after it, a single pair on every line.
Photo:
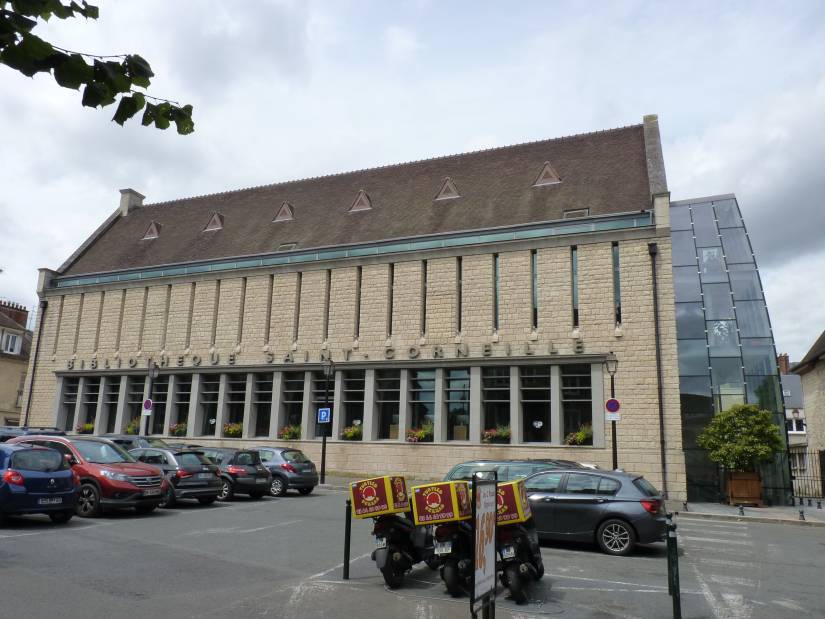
[451,578]
[539,568]
[393,578]
[433,562]
[515,583]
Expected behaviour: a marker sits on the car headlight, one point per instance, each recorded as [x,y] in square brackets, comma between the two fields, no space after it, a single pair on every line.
[114,476]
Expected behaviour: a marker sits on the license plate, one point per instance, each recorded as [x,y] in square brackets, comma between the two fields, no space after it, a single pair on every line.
[261,480]
[50,501]
[381,542]
[508,552]
[443,548]
[151,492]
[205,476]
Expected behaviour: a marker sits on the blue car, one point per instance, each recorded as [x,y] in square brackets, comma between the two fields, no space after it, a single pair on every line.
[36,480]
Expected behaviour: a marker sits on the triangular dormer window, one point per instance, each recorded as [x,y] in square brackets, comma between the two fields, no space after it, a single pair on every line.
[215,223]
[285,213]
[152,232]
[362,202]
[448,190]
[547,176]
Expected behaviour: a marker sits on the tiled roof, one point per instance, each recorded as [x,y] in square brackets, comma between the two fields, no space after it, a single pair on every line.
[605,172]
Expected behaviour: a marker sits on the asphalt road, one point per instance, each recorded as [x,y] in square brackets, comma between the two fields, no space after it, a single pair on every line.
[282,558]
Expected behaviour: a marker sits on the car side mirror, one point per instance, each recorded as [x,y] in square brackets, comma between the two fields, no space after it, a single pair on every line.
[70,459]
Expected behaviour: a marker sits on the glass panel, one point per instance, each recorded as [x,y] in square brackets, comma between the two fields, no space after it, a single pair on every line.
[679,218]
[110,399]
[758,356]
[744,281]
[323,396]
[535,403]
[737,248]
[722,338]
[712,264]
[704,226]
[293,398]
[727,213]
[160,394]
[209,403]
[576,403]
[134,397]
[495,398]
[690,321]
[765,391]
[70,388]
[686,284]
[726,375]
[353,396]
[718,303]
[693,357]
[387,396]
[422,398]
[684,251]
[262,403]
[753,319]
[183,393]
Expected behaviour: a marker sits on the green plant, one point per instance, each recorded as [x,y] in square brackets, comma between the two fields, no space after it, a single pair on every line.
[499,434]
[352,433]
[178,429]
[741,438]
[233,430]
[582,436]
[86,428]
[424,434]
[289,433]
[133,427]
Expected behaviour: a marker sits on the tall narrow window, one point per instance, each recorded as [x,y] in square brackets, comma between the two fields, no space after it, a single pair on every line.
[210,384]
[327,291]
[423,297]
[459,268]
[534,287]
[262,403]
[70,389]
[160,395]
[387,402]
[574,271]
[617,284]
[293,399]
[495,290]
[457,403]
[422,401]
[535,403]
[390,291]
[358,301]
[495,398]
[576,402]
[323,395]
[183,396]
[235,397]
[110,397]
[354,382]
[91,391]
[134,400]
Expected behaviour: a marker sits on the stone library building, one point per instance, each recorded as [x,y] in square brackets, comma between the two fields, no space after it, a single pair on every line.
[449,309]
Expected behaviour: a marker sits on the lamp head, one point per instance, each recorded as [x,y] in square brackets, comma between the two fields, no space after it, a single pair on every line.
[611,363]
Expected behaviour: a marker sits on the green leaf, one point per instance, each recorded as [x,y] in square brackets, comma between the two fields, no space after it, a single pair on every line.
[97,93]
[17,22]
[113,74]
[35,47]
[139,70]
[32,8]
[128,107]
[73,72]
[148,115]
[183,119]
[91,12]
[19,60]
[163,115]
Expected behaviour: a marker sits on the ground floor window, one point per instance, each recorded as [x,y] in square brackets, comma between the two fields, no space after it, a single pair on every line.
[262,403]
[183,396]
[422,402]
[91,394]
[353,400]
[387,402]
[495,400]
[69,402]
[110,398]
[160,396]
[577,404]
[535,403]
[210,386]
[235,398]
[323,396]
[134,403]
[457,403]
[293,401]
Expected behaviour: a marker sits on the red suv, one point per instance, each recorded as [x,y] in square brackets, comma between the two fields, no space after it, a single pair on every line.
[109,476]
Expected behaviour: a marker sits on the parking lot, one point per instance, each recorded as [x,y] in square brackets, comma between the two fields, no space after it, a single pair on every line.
[282,558]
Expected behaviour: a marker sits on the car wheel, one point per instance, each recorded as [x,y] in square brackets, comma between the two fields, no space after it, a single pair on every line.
[145,509]
[169,498]
[278,486]
[61,517]
[616,537]
[207,500]
[227,491]
[88,501]
[305,491]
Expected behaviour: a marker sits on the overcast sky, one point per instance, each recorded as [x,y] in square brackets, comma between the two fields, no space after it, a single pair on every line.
[284,90]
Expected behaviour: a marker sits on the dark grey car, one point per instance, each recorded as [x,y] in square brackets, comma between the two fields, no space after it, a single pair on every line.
[508,470]
[290,468]
[242,472]
[191,475]
[616,510]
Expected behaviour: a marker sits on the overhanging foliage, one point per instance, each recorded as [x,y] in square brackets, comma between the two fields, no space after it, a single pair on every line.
[741,438]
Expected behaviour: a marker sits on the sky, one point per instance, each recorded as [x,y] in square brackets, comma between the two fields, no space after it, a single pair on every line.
[285,90]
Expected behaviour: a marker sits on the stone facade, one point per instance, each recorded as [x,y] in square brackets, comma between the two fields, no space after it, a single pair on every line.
[813,387]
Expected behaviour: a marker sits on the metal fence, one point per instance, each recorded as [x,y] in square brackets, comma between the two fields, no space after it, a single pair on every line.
[808,474]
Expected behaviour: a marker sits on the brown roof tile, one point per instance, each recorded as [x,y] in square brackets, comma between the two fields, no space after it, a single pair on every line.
[605,172]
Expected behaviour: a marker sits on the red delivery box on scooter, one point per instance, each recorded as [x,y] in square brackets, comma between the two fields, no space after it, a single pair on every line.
[513,506]
[445,501]
[379,496]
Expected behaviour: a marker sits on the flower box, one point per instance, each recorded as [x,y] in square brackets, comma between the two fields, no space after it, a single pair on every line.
[379,496]
[446,501]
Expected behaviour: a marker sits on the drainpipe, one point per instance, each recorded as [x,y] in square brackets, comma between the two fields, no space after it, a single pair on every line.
[43,305]
[653,250]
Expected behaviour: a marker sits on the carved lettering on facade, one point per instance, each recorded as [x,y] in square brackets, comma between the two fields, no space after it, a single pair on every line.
[438,352]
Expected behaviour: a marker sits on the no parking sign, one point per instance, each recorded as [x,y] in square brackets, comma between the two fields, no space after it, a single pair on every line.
[612,408]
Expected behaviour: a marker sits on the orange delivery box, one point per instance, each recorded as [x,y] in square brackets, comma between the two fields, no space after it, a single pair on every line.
[513,506]
[379,496]
[438,502]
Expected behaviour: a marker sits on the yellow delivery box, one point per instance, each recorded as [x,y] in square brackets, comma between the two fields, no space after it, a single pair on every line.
[439,502]
[379,496]
[513,506]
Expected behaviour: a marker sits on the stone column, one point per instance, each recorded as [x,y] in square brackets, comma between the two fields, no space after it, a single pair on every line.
[597,393]
[276,414]
[337,406]
[516,435]
[78,405]
[171,413]
[403,406]
[120,412]
[221,414]
[194,419]
[476,421]
[145,422]
[369,423]
[440,425]
[307,412]
[100,423]
[556,416]
[250,414]
[58,395]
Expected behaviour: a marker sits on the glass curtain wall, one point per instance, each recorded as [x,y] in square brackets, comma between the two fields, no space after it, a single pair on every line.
[387,402]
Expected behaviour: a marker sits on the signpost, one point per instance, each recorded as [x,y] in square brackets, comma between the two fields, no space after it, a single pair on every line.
[612,408]
[485,504]
[148,405]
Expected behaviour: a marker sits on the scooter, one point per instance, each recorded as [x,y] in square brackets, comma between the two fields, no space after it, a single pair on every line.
[400,545]
[520,552]
[454,546]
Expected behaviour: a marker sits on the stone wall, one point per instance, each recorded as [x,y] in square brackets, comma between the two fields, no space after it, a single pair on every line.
[813,389]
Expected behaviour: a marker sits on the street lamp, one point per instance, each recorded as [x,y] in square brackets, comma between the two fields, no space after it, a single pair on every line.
[611,365]
[329,371]
[153,372]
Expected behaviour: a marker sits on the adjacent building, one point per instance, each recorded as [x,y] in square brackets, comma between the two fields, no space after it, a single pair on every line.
[15,342]
[811,371]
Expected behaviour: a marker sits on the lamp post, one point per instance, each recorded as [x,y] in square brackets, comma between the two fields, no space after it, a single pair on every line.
[329,370]
[153,372]
[611,364]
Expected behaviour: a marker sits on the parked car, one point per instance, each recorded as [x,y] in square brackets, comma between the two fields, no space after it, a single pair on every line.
[7,432]
[242,472]
[132,441]
[190,474]
[36,480]
[183,446]
[616,510]
[508,470]
[290,469]
[109,477]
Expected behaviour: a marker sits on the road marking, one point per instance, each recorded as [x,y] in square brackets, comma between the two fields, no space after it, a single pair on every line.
[612,590]
[237,530]
[701,531]
[715,540]
[789,604]
[609,582]
[732,581]
[709,597]
[725,563]
[339,566]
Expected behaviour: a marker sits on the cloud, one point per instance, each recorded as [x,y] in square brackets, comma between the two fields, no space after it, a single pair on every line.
[401,44]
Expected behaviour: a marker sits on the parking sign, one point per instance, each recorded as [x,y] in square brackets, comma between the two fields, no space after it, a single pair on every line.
[323,415]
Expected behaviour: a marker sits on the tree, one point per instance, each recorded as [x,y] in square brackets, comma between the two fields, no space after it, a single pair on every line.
[106,80]
[741,438]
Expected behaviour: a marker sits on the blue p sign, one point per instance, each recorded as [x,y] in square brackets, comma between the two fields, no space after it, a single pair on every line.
[323,415]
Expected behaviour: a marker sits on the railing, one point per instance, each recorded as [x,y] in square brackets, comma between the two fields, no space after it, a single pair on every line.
[808,474]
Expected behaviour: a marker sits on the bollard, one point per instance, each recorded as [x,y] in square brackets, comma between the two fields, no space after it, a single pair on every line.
[802,514]
[819,504]
[809,503]
[347,529]
[673,586]
[684,505]
[741,510]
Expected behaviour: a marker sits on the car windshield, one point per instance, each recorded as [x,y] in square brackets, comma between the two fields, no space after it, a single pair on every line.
[466,471]
[192,460]
[645,487]
[247,458]
[293,455]
[41,460]
[158,442]
[102,453]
